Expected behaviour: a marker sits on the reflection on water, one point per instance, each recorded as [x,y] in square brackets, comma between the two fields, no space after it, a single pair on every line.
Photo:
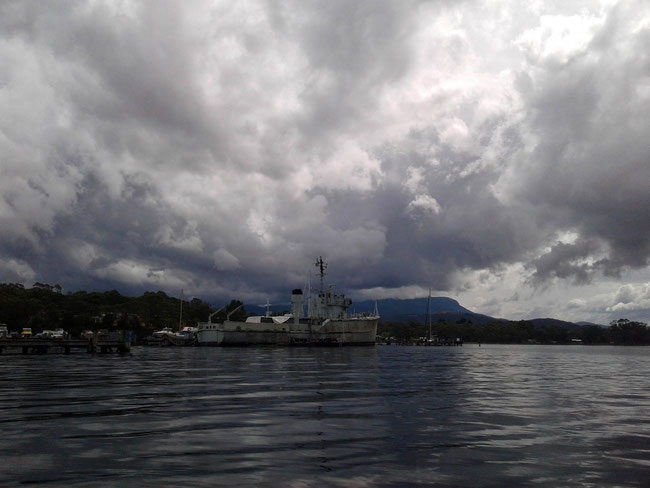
[385,416]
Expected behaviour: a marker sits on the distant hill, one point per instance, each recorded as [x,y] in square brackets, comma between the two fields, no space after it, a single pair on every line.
[410,309]
[415,309]
[406,310]
[548,322]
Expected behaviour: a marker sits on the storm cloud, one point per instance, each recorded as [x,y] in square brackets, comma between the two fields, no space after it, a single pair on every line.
[486,149]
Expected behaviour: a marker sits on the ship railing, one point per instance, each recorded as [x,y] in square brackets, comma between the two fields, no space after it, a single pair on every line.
[363,315]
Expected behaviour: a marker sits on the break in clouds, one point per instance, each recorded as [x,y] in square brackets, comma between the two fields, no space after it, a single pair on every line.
[496,151]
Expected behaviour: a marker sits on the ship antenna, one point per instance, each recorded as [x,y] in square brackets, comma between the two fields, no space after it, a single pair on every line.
[322,266]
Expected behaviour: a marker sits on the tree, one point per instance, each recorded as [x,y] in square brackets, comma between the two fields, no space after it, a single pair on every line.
[593,334]
[624,331]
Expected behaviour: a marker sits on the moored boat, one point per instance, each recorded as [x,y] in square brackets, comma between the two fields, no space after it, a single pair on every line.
[166,337]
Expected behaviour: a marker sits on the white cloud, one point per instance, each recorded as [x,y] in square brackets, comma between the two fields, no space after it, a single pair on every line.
[402,292]
[577,303]
[424,202]
[17,271]
[129,273]
[347,167]
[188,240]
[560,37]
[631,297]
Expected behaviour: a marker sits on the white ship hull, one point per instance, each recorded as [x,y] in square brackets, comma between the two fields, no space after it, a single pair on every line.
[331,332]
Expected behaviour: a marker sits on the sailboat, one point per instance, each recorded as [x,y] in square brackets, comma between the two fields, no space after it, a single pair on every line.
[185,336]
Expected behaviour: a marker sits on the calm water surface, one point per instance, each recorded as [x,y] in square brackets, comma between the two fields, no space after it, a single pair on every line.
[350,417]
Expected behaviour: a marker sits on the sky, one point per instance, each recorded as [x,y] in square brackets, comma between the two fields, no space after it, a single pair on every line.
[495,151]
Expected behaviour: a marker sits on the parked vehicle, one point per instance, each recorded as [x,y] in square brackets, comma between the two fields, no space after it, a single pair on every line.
[59,334]
[27,332]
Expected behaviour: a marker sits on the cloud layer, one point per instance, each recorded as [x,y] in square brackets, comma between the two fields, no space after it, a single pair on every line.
[221,147]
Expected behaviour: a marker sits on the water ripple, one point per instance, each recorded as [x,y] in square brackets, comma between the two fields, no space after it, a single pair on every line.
[385,416]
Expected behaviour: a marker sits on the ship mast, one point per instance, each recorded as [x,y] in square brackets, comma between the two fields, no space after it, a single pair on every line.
[322,266]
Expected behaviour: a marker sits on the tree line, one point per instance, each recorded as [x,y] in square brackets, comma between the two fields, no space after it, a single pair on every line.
[46,307]
[621,331]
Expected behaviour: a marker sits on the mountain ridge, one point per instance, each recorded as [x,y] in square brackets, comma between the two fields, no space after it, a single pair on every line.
[444,309]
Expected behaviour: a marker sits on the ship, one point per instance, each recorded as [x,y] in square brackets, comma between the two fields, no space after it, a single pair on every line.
[327,322]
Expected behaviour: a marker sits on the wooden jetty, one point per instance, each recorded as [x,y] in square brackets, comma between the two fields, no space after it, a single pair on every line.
[98,343]
[435,341]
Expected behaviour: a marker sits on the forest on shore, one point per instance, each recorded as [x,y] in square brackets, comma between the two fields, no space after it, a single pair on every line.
[44,307]
[621,331]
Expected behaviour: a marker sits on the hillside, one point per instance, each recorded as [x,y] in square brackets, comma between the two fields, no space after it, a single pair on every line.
[411,309]
[392,309]
[548,322]
[404,310]
[441,309]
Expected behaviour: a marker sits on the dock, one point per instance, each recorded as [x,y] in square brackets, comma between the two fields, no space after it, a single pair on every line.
[98,343]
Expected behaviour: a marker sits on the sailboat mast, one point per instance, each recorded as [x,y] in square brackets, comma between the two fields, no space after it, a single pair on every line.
[429,312]
[309,297]
[180,316]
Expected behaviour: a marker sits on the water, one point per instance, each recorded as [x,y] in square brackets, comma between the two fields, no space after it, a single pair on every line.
[350,417]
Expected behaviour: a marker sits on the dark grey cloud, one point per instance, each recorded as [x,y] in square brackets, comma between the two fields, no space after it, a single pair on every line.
[221,147]
[589,171]
[565,261]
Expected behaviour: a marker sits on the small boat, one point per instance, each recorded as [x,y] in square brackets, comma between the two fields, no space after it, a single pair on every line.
[326,323]
[159,334]
[186,336]
[167,337]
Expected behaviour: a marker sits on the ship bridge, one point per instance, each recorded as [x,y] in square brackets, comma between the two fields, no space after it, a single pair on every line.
[330,305]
